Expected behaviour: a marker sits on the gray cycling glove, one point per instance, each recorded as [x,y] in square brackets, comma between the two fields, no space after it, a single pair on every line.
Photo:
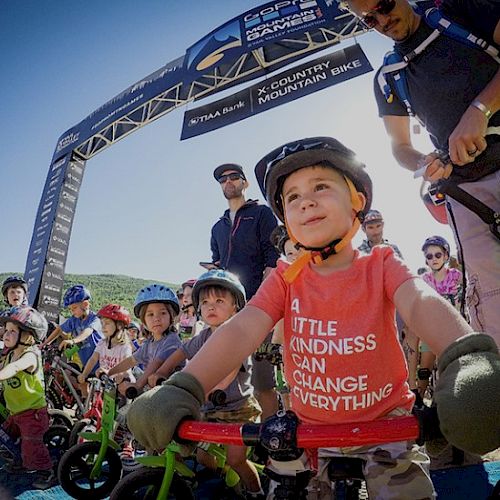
[154,416]
[468,393]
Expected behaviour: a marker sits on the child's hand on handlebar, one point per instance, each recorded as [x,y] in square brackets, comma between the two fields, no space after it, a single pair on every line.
[154,416]
[153,379]
[66,343]
[81,378]
[122,388]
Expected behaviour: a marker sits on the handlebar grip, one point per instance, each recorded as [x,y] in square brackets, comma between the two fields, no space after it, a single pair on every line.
[131,392]
[217,397]
[160,381]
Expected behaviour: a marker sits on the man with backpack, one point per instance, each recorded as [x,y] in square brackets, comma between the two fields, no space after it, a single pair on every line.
[445,71]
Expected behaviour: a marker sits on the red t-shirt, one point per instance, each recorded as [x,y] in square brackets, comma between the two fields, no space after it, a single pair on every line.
[342,357]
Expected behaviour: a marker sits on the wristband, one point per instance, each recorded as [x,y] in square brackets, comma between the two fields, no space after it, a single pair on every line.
[479,105]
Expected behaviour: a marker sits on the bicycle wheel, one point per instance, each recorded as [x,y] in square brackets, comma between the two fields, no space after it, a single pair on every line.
[54,400]
[145,484]
[56,439]
[83,425]
[75,468]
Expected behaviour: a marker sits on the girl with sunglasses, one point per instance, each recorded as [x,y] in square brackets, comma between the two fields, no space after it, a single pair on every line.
[447,282]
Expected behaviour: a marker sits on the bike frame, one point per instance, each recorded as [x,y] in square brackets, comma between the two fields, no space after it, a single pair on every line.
[168,461]
[61,366]
[107,426]
[94,403]
[308,436]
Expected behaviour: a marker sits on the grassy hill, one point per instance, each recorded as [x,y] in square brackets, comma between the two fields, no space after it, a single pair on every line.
[107,288]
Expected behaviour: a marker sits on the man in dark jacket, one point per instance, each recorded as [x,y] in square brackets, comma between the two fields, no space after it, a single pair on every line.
[241,244]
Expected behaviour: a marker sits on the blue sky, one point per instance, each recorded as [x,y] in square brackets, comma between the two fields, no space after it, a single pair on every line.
[147,203]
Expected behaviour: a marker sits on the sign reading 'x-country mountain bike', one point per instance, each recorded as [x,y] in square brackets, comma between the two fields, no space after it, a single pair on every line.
[281,88]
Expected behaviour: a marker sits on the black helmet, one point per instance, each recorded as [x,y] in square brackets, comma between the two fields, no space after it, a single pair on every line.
[13,280]
[272,170]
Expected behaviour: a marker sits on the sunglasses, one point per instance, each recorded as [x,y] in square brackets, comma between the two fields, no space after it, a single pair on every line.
[430,256]
[232,177]
[384,7]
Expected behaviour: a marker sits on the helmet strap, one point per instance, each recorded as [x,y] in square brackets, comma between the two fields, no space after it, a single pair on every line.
[319,254]
[112,336]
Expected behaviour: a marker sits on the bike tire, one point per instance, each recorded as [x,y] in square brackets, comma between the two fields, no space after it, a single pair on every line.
[54,400]
[56,439]
[75,467]
[145,484]
[85,424]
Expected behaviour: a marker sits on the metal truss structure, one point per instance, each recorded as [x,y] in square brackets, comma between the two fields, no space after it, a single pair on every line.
[248,66]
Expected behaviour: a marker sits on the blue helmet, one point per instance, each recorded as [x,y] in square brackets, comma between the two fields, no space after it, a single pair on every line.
[225,279]
[14,280]
[437,241]
[155,293]
[75,294]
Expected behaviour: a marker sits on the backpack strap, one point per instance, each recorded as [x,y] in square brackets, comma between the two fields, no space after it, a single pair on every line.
[395,63]
[485,213]
[435,19]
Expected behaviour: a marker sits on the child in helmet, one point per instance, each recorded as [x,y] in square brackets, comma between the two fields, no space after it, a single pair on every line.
[342,355]
[188,318]
[134,334]
[14,291]
[83,326]
[219,295]
[448,283]
[157,307]
[285,246]
[114,347]
[24,391]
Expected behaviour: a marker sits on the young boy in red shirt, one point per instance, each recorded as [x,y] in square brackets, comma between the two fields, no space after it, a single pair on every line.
[341,351]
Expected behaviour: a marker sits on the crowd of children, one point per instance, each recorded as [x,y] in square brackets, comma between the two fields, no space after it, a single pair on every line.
[329,304]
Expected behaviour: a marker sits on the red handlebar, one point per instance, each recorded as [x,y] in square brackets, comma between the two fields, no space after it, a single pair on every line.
[388,430]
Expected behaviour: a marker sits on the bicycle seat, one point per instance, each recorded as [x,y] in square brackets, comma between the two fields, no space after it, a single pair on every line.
[340,468]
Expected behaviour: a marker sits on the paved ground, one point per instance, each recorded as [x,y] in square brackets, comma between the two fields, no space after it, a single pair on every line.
[461,483]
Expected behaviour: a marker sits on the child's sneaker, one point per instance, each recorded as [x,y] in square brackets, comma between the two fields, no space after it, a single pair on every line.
[44,479]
